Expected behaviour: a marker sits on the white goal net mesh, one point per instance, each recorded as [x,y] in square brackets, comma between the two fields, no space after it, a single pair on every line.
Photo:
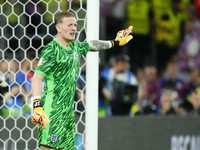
[25,28]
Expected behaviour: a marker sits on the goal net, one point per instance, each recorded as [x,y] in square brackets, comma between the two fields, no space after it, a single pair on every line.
[25,28]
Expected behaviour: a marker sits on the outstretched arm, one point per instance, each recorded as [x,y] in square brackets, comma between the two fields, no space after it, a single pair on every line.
[122,38]
[100,45]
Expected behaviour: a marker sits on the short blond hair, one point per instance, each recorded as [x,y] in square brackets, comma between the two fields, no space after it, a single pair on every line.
[59,17]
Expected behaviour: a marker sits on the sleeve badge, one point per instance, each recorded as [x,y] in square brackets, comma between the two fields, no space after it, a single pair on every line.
[41,61]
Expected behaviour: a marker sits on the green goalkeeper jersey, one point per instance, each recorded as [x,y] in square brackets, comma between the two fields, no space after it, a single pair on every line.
[60,68]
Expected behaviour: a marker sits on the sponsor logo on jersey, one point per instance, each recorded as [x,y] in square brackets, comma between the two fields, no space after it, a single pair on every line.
[76,54]
[41,61]
[54,137]
[65,60]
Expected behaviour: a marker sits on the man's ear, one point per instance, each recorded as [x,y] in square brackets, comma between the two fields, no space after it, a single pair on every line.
[58,28]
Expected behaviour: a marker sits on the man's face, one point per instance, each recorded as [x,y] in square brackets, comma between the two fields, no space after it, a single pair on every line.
[121,65]
[67,29]
[195,100]
[172,70]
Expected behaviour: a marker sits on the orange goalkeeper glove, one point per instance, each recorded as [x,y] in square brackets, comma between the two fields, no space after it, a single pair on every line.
[38,116]
[122,37]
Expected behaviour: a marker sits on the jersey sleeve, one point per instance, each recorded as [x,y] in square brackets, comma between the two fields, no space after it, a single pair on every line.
[84,47]
[47,59]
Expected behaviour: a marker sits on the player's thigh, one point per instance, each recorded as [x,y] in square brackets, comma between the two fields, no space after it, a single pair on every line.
[68,138]
[44,147]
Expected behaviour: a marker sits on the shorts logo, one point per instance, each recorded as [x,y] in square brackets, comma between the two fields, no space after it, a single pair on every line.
[41,61]
[54,137]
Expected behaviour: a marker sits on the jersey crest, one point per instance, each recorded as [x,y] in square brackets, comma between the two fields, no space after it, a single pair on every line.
[54,137]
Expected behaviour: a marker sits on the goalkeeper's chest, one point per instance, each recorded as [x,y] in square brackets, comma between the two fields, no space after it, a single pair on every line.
[69,59]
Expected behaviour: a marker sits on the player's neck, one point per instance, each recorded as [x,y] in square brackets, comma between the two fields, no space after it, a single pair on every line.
[63,42]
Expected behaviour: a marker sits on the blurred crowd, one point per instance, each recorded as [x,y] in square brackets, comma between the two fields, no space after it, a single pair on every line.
[15,89]
[156,73]
[163,57]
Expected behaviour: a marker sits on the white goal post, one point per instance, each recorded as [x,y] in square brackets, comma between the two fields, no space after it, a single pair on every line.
[92,76]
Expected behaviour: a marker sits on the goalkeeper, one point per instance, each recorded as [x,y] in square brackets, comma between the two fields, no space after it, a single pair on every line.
[59,65]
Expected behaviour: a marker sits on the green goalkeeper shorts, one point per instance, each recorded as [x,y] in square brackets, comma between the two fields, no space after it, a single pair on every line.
[58,134]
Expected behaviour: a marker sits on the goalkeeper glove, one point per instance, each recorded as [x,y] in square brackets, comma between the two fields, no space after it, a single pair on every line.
[122,37]
[38,116]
